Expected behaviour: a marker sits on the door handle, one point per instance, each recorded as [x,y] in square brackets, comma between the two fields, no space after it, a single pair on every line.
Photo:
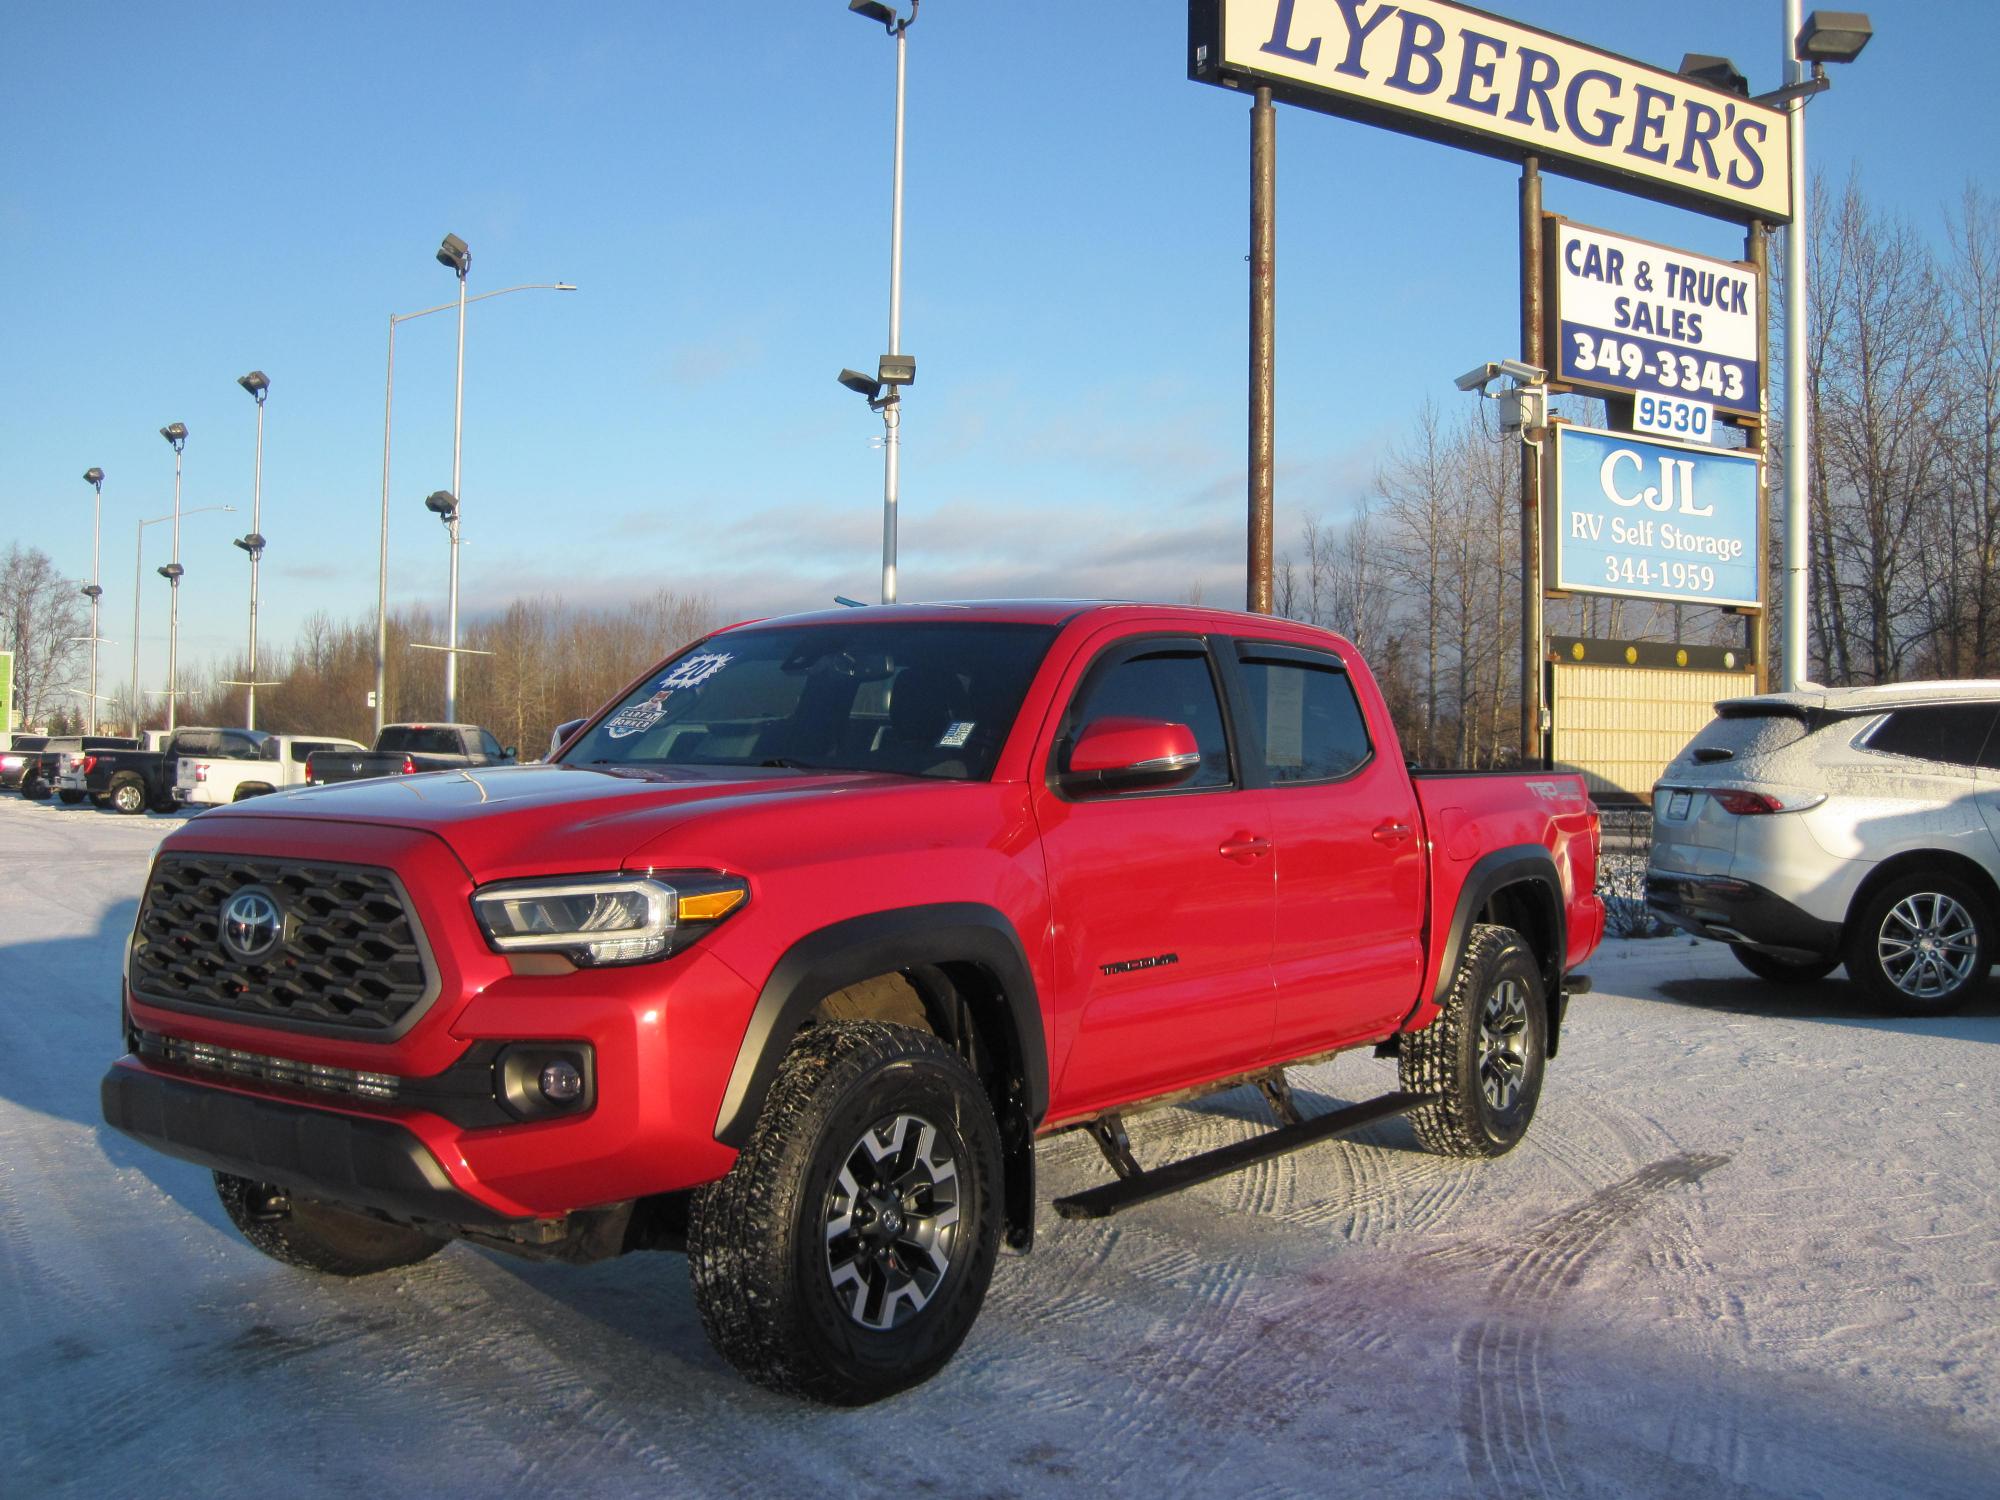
[1244,847]
[1392,832]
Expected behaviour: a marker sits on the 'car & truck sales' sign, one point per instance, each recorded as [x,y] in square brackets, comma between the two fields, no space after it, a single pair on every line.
[1653,520]
[1629,316]
[1452,73]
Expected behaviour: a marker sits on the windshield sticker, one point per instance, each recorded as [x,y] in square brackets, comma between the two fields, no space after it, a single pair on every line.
[955,737]
[640,717]
[694,670]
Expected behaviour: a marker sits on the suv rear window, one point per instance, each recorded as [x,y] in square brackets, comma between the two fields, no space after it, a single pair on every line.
[420,740]
[1743,734]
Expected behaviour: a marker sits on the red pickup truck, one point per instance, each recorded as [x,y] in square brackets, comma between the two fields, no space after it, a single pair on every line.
[794,950]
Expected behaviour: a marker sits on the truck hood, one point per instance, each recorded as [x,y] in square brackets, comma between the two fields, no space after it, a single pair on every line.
[525,820]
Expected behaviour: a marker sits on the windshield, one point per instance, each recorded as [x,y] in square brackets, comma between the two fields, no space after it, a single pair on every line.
[918,699]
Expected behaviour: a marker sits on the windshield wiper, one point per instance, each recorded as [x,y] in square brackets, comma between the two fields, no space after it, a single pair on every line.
[786,763]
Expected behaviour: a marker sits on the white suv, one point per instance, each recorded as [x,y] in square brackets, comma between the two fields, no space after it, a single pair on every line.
[1841,825]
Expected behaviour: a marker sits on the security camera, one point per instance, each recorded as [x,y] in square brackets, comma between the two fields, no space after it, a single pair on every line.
[1525,374]
[1475,378]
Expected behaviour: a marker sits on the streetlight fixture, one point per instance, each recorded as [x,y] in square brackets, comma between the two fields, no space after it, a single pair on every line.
[92,591]
[1826,36]
[259,386]
[388,418]
[176,434]
[894,364]
[454,255]
[138,549]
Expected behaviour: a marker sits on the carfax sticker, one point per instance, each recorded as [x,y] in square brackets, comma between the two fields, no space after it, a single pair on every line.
[955,737]
[693,671]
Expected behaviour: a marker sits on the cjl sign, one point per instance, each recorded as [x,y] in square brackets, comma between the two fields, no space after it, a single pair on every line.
[1653,520]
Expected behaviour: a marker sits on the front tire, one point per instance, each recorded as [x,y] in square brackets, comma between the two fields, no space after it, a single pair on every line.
[1921,945]
[847,1252]
[1484,1054]
[318,1236]
[128,793]
[1784,970]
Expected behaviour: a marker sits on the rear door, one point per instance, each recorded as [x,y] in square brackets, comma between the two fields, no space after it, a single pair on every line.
[1348,955]
[1162,898]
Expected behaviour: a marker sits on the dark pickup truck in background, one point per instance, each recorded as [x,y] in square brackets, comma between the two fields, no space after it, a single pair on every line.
[37,775]
[406,749]
[132,780]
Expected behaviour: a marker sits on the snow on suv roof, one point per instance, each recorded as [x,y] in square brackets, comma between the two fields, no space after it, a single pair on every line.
[1862,700]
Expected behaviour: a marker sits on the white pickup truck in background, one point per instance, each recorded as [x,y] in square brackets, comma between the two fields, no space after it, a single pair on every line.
[281,763]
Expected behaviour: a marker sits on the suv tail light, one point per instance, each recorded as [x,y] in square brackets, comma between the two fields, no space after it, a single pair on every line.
[409,765]
[309,768]
[1756,804]
[200,771]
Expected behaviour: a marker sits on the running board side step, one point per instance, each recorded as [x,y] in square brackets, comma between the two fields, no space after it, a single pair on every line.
[1143,1186]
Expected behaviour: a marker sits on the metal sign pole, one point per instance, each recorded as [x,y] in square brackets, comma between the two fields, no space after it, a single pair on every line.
[1757,629]
[1263,320]
[1531,471]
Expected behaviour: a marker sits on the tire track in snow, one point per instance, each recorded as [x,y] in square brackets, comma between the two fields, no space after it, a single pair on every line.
[1503,1422]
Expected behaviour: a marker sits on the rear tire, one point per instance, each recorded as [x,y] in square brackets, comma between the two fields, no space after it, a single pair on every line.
[847,1253]
[1484,1054]
[317,1236]
[1784,970]
[128,793]
[34,788]
[1921,944]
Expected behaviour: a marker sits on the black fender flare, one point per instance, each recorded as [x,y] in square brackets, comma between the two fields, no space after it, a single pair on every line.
[858,948]
[1490,874]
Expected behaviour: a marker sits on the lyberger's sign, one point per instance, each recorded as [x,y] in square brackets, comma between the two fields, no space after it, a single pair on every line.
[1453,73]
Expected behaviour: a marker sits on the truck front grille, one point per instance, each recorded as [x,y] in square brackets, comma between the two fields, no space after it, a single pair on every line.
[348,954]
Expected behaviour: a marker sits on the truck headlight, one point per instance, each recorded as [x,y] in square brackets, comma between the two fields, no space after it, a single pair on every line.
[595,920]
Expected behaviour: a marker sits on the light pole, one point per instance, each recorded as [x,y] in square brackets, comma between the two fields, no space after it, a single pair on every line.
[176,435]
[95,479]
[388,418]
[259,386]
[1824,37]
[454,254]
[892,371]
[138,549]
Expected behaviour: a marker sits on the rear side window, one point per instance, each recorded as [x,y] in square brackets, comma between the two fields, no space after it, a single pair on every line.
[1953,733]
[1308,724]
[490,745]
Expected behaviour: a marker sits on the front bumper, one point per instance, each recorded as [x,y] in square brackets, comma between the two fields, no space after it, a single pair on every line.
[350,1159]
[1742,912]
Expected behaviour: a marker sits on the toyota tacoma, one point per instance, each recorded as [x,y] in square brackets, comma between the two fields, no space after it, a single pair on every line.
[795,949]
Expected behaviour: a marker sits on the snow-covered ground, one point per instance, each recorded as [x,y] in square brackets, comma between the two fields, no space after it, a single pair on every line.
[1749,1248]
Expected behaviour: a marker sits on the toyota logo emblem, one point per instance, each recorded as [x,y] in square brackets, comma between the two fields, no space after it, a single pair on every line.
[251,924]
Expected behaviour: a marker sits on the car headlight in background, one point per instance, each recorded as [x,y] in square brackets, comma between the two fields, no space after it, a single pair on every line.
[595,920]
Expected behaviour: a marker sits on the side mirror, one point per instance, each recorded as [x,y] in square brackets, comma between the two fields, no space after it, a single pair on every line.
[1123,755]
[507,752]
[564,731]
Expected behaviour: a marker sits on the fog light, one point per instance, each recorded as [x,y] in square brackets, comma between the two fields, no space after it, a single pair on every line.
[561,1082]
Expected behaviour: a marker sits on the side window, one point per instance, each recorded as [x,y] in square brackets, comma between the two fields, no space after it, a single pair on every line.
[1954,733]
[490,745]
[200,743]
[302,749]
[1308,724]
[268,750]
[1173,685]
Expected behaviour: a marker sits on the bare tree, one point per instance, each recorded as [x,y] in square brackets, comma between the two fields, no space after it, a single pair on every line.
[44,623]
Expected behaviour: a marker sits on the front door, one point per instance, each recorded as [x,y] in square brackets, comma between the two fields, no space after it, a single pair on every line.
[1163,898]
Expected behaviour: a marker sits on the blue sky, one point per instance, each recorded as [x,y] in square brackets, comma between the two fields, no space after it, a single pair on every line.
[193,192]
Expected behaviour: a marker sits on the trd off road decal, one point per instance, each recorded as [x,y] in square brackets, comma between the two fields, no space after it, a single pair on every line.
[690,672]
